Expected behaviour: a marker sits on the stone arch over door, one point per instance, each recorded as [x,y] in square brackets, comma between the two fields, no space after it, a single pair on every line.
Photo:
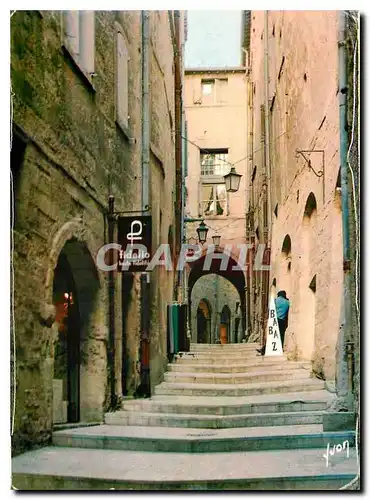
[232,273]
[72,266]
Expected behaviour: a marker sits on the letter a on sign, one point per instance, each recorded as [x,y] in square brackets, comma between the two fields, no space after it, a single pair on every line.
[273,343]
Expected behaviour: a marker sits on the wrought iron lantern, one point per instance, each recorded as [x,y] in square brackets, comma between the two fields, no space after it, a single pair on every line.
[202,232]
[232,180]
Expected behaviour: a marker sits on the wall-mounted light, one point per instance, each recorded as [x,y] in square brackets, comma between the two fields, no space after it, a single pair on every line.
[232,180]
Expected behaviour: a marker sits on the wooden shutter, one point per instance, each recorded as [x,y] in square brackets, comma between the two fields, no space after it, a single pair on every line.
[122,80]
[87,40]
[71,30]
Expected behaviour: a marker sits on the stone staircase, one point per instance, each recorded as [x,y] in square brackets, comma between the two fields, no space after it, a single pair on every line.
[222,419]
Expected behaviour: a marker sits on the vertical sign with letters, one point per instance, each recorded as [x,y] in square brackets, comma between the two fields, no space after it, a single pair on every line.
[135,237]
[273,341]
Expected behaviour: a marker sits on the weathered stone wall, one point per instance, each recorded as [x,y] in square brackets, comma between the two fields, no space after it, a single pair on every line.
[75,155]
[304,115]
[218,292]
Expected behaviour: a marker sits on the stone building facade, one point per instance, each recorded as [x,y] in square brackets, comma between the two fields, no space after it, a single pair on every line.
[216,114]
[76,139]
[295,205]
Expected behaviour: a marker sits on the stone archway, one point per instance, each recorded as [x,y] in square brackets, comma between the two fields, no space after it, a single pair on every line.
[72,271]
[75,291]
[233,274]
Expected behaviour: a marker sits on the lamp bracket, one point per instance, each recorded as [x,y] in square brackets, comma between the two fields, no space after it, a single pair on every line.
[120,212]
[303,153]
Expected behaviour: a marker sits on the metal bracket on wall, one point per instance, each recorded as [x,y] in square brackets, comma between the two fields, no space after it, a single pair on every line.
[126,212]
[320,173]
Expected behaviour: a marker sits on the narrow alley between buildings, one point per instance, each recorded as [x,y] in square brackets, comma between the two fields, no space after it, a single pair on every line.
[186,186]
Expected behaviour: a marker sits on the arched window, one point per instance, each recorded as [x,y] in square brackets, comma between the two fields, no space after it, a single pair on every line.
[311,205]
[287,246]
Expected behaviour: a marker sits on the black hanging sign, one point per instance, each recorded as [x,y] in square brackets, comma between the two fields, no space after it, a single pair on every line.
[135,238]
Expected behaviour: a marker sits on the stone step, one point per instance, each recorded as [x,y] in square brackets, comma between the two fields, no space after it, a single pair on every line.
[221,352]
[190,366]
[172,388]
[224,347]
[235,378]
[56,468]
[228,359]
[270,403]
[195,440]
[139,418]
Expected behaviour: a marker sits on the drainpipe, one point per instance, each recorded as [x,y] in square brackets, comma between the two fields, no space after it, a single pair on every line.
[183,176]
[345,340]
[267,128]
[178,141]
[265,278]
[145,159]
[250,207]
[111,307]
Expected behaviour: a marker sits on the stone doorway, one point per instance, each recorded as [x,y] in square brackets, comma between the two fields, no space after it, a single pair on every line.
[75,288]
[225,325]
[203,322]
[66,381]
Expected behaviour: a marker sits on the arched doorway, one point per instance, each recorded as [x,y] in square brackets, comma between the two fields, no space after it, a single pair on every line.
[75,288]
[204,322]
[225,325]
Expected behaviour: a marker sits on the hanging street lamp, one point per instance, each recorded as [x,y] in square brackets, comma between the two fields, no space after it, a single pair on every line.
[216,238]
[202,232]
[232,181]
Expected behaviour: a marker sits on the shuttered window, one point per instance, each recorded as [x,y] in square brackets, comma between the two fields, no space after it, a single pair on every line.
[122,80]
[79,37]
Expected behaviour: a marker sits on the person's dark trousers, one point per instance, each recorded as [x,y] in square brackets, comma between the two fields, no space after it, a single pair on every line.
[282,328]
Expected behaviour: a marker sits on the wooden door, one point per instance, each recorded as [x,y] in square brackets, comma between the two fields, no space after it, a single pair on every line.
[223,333]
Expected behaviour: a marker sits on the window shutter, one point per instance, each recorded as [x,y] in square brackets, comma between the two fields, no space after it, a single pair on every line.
[122,80]
[71,30]
[87,40]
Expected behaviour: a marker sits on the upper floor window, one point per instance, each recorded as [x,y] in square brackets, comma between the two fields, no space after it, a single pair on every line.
[214,91]
[207,87]
[122,59]
[79,37]
[214,162]
[214,199]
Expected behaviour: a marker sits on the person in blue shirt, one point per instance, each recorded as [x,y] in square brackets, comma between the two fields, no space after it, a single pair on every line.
[282,305]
